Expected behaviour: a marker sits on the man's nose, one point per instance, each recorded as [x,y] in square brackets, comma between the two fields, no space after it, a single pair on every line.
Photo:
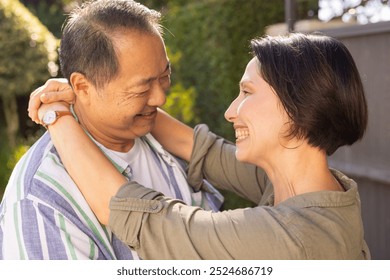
[157,97]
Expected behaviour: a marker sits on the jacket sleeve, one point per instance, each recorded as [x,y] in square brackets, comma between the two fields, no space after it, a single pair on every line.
[161,228]
[213,158]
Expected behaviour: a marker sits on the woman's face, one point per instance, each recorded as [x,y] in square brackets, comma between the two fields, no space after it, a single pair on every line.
[258,118]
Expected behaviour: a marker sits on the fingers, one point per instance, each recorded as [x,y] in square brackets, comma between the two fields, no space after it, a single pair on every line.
[52,91]
[67,95]
[34,104]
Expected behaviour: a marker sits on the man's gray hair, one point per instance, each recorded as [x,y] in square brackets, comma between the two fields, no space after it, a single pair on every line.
[86,43]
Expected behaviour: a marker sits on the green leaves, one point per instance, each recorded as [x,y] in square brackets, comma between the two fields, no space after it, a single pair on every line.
[212,38]
[26,49]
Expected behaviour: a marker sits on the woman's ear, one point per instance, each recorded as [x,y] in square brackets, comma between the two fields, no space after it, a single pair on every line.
[81,86]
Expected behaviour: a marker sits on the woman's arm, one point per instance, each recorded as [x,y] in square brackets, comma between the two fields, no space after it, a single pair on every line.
[158,227]
[173,135]
[96,177]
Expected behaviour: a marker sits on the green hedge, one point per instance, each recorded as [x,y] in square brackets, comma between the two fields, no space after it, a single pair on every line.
[8,158]
[52,13]
[28,51]
[213,40]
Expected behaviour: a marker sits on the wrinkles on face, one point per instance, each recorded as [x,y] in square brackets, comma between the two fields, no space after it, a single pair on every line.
[128,98]
[126,108]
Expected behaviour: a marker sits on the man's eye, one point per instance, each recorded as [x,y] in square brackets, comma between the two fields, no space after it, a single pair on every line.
[165,81]
[138,93]
[165,78]
[142,93]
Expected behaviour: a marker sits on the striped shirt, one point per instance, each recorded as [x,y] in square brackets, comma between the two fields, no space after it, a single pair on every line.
[43,215]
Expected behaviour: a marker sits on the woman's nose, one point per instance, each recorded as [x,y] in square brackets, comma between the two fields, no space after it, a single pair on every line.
[231,112]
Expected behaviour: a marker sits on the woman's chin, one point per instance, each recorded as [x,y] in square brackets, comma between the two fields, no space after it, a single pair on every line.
[240,156]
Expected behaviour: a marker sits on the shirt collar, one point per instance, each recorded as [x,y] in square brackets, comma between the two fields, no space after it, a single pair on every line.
[119,163]
[328,198]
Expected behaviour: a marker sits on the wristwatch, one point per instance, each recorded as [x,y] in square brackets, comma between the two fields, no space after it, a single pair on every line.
[51,117]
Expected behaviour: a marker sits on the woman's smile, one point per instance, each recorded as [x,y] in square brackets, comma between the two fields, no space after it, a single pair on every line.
[241,133]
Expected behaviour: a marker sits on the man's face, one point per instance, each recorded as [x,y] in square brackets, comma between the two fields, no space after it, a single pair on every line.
[126,107]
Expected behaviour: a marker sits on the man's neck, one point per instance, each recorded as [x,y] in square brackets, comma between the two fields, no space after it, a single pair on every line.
[110,143]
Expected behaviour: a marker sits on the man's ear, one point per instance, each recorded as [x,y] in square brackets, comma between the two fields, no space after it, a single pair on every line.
[81,86]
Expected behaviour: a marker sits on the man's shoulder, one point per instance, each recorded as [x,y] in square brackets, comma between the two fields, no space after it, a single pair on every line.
[38,165]
[41,179]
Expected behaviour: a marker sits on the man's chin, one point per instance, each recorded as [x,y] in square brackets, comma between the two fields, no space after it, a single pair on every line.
[143,130]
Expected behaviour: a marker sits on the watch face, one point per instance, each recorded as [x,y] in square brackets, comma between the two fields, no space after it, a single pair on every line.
[49,117]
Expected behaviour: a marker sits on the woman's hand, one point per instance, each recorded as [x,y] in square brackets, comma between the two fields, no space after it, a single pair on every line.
[52,91]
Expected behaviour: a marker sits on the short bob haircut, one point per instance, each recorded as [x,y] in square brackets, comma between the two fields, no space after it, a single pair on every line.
[319,86]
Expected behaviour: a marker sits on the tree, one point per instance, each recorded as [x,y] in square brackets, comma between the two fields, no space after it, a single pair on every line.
[213,37]
[27,55]
[51,13]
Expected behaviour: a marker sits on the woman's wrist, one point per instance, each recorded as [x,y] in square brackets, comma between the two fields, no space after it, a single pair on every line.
[48,114]
[63,122]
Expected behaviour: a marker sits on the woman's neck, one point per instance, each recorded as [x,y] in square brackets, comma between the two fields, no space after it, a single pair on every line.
[298,171]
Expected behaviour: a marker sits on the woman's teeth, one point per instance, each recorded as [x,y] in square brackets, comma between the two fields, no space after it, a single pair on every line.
[241,134]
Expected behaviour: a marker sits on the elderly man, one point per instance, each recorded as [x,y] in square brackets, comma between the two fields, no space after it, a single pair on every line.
[114,57]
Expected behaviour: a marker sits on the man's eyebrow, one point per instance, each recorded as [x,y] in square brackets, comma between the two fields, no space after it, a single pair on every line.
[142,82]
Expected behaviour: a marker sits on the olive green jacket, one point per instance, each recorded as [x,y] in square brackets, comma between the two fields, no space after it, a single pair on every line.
[317,225]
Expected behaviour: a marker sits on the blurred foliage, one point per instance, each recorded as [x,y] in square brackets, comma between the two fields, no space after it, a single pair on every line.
[52,13]
[5,172]
[17,153]
[28,54]
[180,100]
[163,5]
[180,103]
[9,157]
[28,51]
[213,39]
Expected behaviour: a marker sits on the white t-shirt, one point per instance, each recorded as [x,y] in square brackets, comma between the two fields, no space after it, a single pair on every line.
[146,171]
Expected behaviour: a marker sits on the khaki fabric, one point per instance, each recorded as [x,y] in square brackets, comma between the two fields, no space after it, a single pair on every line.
[317,225]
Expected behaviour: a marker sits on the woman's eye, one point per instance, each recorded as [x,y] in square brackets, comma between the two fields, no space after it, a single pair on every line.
[245,92]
